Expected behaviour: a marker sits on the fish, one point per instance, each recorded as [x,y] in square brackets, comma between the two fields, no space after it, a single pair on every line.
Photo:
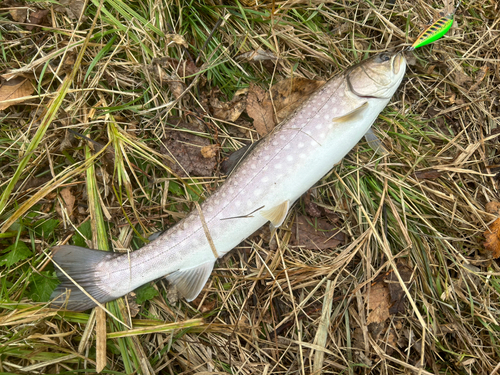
[261,188]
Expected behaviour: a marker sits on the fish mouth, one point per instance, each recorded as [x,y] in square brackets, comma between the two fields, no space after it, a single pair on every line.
[397,61]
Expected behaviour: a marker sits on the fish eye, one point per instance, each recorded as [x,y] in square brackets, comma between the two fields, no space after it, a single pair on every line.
[385,57]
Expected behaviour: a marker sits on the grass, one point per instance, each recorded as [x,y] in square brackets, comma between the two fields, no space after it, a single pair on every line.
[95,126]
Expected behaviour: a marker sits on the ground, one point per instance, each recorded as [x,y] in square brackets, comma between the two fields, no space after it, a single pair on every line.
[117,116]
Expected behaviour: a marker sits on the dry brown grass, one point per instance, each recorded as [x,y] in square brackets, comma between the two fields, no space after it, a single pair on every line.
[270,307]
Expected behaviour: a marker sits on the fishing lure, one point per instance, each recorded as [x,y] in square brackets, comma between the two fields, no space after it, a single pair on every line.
[434,31]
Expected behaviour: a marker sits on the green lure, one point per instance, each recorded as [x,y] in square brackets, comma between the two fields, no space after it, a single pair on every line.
[434,31]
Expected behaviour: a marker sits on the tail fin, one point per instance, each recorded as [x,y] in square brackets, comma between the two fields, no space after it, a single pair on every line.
[80,265]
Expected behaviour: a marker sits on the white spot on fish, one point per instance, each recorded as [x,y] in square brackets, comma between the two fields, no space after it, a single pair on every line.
[322,135]
[282,137]
[300,145]
[210,209]
[265,168]
[249,203]
[326,117]
[237,203]
[302,155]
[253,166]
[277,166]
[231,190]
[275,143]
[266,157]
[287,146]
[264,179]
[289,158]
[319,126]
[257,192]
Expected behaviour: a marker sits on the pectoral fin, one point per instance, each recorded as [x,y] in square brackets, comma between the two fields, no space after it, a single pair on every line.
[349,116]
[190,282]
[277,215]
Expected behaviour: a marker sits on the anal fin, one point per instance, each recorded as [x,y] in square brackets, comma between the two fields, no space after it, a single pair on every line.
[375,143]
[190,282]
[277,215]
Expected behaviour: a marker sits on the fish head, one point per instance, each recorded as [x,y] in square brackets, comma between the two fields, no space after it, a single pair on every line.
[378,76]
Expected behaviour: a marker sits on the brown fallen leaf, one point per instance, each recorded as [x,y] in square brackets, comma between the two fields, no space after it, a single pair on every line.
[378,304]
[396,292]
[290,93]
[185,148]
[228,111]
[210,151]
[19,13]
[311,208]
[493,207]
[492,244]
[176,86]
[182,68]
[260,108]
[176,39]
[461,78]
[481,75]
[18,87]
[68,200]
[315,234]
[428,175]
[36,18]
[256,55]
[284,97]
[73,8]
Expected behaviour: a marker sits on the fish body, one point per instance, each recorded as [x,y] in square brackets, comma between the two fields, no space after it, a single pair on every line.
[277,171]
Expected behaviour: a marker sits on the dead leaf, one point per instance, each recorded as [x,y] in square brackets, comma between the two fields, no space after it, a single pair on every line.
[228,111]
[73,8]
[493,207]
[185,148]
[285,96]
[206,306]
[290,93]
[176,86]
[260,108]
[428,175]
[316,234]
[460,78]
[19,14]
[69,61]
[18,87]
[69,200]
[378,304]
[311,208]
[182,68]
[177,39]
[256,55]
[481,75]
[396,292]
[210,151]
[133,307]
[492,244]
